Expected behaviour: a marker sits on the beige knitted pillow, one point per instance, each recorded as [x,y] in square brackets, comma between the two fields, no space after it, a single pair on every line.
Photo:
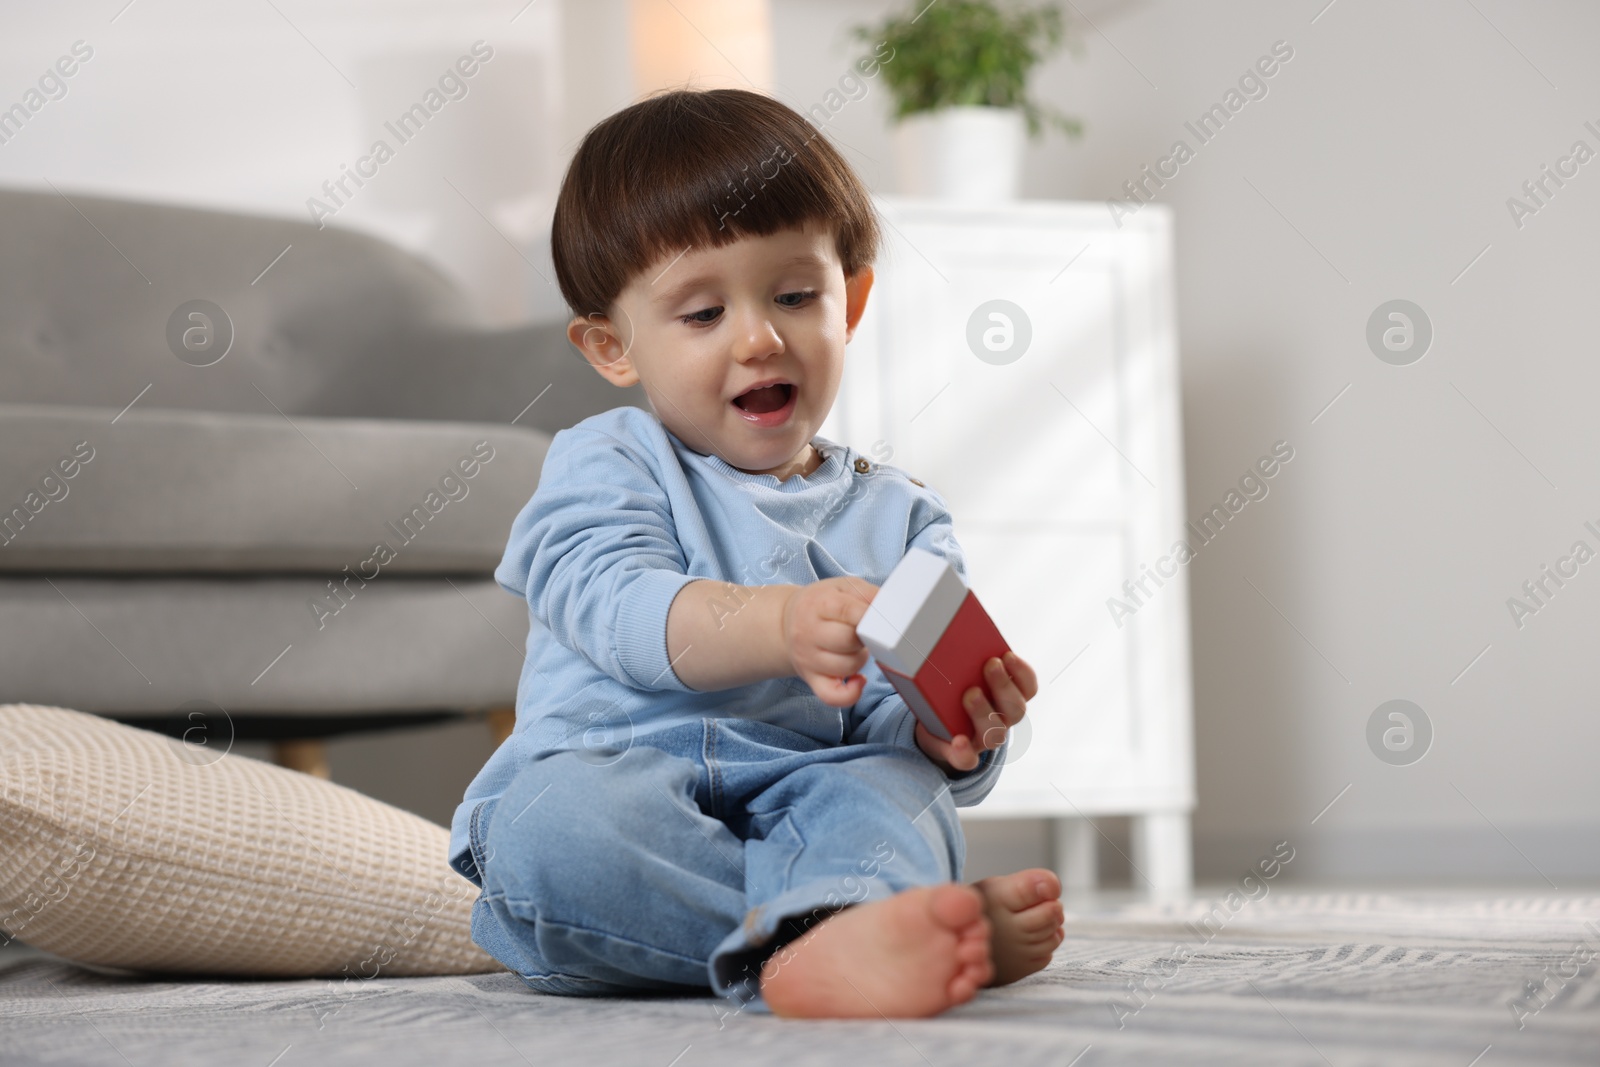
[126,848]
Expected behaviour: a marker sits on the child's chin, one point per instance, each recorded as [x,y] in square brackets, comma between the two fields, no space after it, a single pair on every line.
[764,459]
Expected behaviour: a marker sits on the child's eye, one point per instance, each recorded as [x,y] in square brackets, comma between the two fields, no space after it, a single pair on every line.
[707,316]
[694,318]
[803,294]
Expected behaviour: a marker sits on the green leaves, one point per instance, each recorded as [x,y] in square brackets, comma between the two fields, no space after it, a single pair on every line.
[971,52]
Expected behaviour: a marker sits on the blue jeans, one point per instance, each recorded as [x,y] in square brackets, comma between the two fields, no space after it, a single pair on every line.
[687,858]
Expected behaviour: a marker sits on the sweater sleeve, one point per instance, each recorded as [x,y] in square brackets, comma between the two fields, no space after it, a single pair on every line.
[596,555]
[881,714]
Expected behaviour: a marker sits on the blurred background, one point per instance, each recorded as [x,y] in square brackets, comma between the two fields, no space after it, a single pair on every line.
[1381,164]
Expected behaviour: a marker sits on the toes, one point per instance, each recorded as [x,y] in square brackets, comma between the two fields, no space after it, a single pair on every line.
[956,906]
[1010,892]
[979,974]
[1022,890]
[973,950]
[971,977]
[1040,917]
[1047,939]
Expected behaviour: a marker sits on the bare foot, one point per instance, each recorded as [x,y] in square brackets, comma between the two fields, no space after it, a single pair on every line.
[907,956]
[1025,914]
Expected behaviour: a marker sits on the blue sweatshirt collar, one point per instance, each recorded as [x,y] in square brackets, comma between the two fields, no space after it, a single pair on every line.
[835,461]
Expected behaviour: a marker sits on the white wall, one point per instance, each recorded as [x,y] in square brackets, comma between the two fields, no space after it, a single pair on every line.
[254,106]
[1377,167]
[1420,502]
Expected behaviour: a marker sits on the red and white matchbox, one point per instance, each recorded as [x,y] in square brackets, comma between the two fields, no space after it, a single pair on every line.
[931,638]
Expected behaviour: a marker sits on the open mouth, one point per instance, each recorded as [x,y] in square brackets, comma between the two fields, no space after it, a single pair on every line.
[769,405]
[767,398]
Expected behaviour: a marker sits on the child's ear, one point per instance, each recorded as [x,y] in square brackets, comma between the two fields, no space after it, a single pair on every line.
[596,337]
[856,288]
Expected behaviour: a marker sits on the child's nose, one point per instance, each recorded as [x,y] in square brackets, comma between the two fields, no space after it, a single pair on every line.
[760,338]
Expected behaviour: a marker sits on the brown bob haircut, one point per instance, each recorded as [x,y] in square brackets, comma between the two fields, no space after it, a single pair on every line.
[697,168]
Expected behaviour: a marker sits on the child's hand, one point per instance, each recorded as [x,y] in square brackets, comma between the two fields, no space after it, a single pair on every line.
[1013,683]
[819,634]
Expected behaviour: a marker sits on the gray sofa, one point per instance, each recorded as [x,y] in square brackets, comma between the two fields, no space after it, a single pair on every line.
[274,514]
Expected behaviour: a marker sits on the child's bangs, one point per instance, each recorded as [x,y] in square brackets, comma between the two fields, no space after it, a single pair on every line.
[740,189]
[698,169]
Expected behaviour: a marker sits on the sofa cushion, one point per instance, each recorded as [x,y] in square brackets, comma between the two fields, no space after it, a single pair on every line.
[89,490]
[272,644]
[323,320]
[80,325]
[124,848]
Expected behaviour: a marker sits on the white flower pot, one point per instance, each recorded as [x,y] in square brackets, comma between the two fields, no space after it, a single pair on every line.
[966,154]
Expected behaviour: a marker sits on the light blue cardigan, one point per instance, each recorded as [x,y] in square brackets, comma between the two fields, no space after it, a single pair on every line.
[626,514]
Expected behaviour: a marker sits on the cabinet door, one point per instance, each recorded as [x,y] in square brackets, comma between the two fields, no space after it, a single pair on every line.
[1056,453]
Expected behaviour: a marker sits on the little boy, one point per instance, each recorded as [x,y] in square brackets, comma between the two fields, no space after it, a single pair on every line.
[702,789]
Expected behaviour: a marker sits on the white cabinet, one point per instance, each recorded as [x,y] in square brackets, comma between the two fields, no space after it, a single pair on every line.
[1050,424]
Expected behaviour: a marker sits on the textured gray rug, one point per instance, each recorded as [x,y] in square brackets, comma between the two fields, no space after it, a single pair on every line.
[1292,978]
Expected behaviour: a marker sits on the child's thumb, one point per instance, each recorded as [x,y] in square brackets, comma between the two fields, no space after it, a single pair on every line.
[842,692]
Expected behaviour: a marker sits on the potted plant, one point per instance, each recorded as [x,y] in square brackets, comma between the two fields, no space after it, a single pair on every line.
[958,73]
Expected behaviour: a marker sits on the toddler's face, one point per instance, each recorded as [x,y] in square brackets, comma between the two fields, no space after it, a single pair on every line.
[700,329]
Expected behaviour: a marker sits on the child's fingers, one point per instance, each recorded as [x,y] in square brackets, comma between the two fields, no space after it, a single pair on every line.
[836,636]
[847,604]
[1009,699]
[837,664]
[961,754]
[993,735]
[837,691]
[859,591]
[1026,677]
[957,752]
[989,726]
